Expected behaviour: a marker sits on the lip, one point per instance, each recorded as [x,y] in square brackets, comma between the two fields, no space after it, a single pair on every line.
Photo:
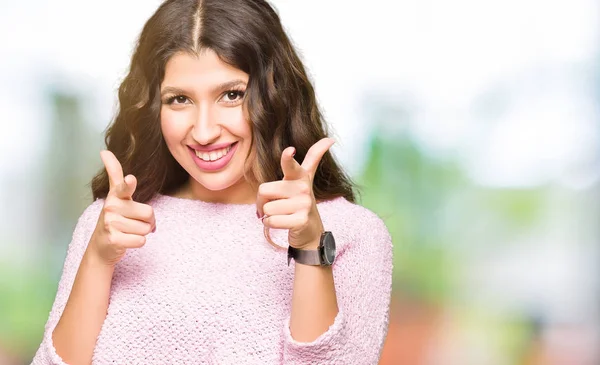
[214,165]
[213,147]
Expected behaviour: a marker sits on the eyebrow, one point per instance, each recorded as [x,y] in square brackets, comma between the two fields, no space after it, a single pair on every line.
[219,88]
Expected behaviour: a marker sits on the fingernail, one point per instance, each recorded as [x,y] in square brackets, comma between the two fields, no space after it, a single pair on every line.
[154,230]
[257,215]
[293,152]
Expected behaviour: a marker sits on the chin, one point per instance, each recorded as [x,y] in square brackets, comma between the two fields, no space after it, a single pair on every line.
[214,183]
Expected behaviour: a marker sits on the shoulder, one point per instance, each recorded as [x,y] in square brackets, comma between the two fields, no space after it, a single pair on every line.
[89,216]
[92,211]
[84,228]
[351,215]
[354,224]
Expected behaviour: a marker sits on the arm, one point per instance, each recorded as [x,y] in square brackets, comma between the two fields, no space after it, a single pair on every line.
[118,223]
[362,275]
[78,277]
[314,302]
[339,315]
[79,326]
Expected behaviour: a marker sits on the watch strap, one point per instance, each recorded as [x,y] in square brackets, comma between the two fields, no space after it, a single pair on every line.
[306,257]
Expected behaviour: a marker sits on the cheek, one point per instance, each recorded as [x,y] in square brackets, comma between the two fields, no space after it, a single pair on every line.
[235,121]
[173,124]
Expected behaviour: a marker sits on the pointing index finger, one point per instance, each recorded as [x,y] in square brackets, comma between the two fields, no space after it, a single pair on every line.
[291,168]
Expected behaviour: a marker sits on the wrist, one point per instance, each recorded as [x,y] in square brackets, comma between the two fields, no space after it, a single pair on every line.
[92,259]
[312,245]
[319,253]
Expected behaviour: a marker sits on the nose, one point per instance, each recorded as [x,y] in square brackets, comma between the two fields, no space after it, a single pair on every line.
[206,130]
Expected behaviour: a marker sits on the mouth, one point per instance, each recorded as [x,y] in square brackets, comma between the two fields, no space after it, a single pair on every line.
[214,155]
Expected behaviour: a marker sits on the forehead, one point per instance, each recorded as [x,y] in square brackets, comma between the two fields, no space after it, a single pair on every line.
[203,70]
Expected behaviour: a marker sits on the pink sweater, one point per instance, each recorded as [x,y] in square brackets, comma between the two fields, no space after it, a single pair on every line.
[208,289]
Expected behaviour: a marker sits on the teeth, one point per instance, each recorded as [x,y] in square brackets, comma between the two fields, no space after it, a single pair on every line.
[213,155]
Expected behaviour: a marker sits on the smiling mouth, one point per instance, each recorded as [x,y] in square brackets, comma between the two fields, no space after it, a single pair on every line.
[214,155]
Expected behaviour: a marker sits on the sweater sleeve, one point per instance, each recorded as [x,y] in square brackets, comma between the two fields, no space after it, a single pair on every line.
[363,282]
[46,353]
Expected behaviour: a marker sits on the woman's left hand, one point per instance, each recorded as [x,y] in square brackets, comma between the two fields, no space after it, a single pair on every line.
[290,203]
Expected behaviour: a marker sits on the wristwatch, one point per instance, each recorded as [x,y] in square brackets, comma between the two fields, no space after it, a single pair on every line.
[324,255]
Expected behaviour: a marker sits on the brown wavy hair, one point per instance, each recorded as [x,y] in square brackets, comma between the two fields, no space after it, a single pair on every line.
[280,100]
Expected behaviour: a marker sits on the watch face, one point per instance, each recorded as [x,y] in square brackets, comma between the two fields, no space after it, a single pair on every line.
[328,248]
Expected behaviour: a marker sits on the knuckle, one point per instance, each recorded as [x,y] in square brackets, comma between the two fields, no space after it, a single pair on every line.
[304,218]
[267,209]
[267,222]
[110,205]
[148,229]
[304,188]
[109,221]
[149,213]
[307,202]
[112,238]
[142,213]
[262,189]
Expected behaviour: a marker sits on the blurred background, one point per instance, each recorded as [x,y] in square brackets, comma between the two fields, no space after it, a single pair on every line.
[471,126]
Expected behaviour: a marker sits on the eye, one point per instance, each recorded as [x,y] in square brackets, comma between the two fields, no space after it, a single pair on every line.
[177,99]
[233,96]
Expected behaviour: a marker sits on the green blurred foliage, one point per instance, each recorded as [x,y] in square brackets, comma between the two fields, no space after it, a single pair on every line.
[28,294]
[408,190]
[28,288]
[435,214]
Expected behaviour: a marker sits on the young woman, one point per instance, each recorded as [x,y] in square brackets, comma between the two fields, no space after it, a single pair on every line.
[222,231]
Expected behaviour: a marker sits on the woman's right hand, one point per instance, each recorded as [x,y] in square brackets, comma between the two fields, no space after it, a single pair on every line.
[123,223]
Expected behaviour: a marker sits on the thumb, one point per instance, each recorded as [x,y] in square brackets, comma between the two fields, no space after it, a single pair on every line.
[126,189]
[113,168]
[315,154]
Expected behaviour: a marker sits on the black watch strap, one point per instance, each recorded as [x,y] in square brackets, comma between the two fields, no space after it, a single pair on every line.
[306,257]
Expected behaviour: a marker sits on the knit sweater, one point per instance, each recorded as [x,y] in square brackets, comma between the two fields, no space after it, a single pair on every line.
[207,288]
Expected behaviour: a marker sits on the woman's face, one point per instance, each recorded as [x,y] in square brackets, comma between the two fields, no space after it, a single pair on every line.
[204,124]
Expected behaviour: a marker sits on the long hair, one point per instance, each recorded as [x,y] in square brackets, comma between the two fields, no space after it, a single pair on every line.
[280,100]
